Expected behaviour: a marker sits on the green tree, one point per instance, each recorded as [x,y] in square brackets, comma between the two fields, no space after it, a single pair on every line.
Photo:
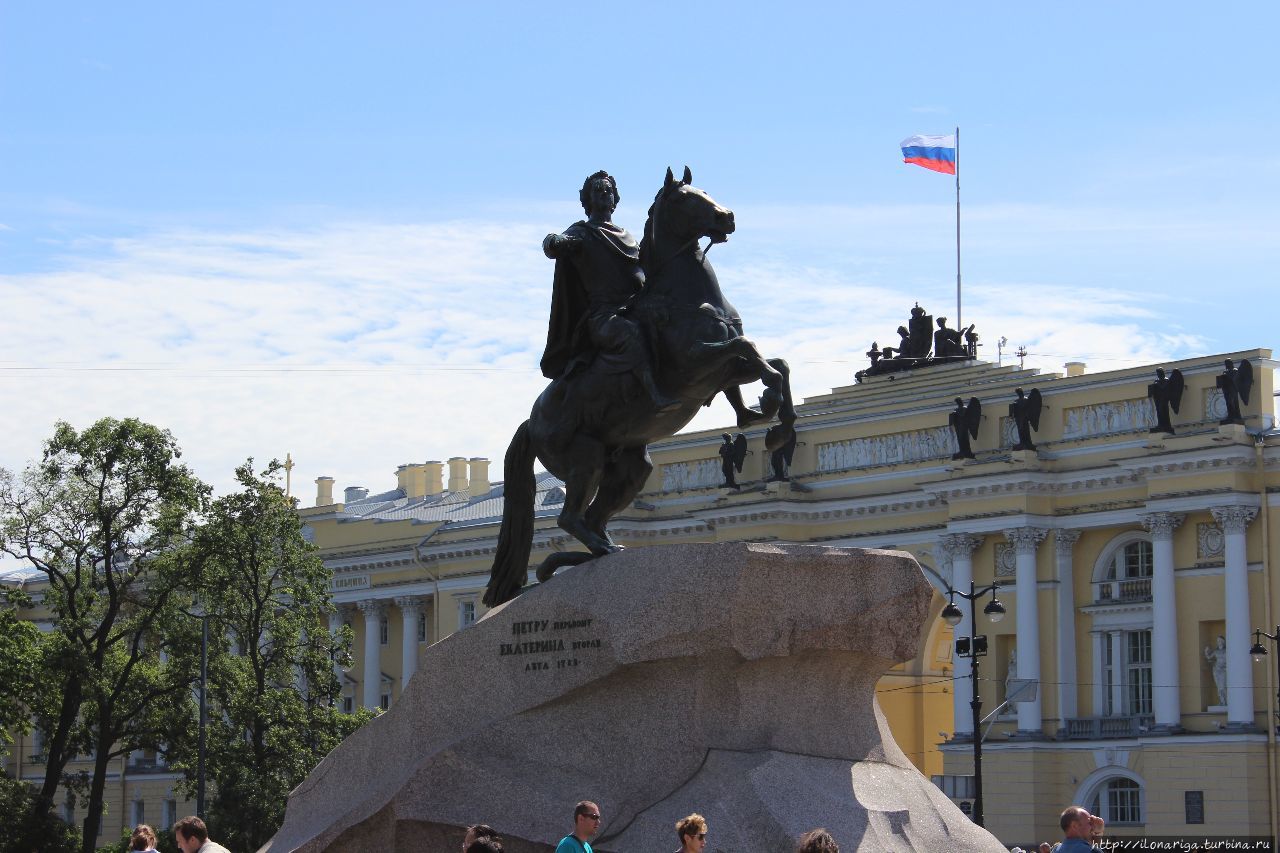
[273,685]
[20,653]
[103,516]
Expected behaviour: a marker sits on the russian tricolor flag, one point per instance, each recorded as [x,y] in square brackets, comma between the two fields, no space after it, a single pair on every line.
[933,152]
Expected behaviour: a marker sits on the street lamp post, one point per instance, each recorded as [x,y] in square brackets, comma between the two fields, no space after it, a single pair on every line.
[204,710]
[198,612]
[1259,651]
[974,646]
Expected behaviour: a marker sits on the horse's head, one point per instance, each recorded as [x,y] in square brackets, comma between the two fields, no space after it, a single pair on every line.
[680,215]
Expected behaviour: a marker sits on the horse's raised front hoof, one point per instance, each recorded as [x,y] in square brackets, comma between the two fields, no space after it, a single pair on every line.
[771,401]
[748,417]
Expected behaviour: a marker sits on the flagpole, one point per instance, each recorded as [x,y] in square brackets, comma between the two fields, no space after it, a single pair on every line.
[959,316]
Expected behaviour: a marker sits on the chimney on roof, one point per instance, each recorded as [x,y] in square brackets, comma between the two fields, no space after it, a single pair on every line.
[412,479]
[324,491]
[457,474]
[479,476]
[1075,368]
[434,478]
[352,494]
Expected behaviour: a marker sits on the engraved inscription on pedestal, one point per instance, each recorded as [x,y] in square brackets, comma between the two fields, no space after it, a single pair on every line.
[540,645]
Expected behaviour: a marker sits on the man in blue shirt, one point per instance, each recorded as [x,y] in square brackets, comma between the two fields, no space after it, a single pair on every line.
[1077,831]
[586,823]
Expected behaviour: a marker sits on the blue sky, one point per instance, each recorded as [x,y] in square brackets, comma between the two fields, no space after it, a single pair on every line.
[313,227]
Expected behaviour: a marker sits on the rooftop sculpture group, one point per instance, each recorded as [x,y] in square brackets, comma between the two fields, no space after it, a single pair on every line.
[920,345]
[640,338]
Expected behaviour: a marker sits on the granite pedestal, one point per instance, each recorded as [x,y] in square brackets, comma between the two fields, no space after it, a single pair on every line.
[735,680]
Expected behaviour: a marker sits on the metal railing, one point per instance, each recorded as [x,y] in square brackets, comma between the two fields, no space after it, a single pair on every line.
[1135,589]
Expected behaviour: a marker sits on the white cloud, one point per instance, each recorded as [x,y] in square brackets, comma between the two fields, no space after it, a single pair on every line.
[361,346]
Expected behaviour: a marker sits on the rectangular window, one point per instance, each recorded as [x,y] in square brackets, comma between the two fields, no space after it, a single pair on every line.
[348,705]
[466,614]
[383,631]
[385,701]
[1108,676]
[422,628]
[139,812]
[1138,674]
[170,813]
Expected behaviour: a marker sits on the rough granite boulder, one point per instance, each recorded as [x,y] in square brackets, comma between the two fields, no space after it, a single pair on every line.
[736,680]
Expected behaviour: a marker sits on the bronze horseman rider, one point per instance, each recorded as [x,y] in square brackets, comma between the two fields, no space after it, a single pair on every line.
[597,274]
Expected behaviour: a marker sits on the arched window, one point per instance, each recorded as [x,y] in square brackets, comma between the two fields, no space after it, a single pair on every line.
[1117,800]
[1125,575]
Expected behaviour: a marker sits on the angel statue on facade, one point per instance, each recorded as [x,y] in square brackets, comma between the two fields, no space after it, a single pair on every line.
[1025,412]
[1165,394]
[733,453]
[964,422]
[1235,383]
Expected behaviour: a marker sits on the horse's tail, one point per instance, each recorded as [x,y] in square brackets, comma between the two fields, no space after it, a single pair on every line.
[515,541]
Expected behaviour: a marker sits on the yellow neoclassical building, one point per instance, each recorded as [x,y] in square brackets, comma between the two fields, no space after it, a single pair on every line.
[1134,567]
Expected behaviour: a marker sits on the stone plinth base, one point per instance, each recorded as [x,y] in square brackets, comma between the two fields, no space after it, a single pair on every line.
[733,680]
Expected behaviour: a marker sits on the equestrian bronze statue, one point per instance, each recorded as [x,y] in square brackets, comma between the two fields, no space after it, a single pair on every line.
[640,338]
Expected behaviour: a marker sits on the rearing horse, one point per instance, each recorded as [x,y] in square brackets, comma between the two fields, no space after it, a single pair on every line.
[592,428]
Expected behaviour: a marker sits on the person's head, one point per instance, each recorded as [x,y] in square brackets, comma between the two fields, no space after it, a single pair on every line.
[1222,642]
[817,841]
[599,192]
[477,831]
[1159,373]
[1075,822]
[692,832]
[190,833]
[942,322]
[586,819]
[484,845]
[1044,847]
[142,838]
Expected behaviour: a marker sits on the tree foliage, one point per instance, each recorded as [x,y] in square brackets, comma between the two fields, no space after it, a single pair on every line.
[273,685]
[103,516]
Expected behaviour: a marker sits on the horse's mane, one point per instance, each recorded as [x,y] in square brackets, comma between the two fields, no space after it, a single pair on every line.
[646,239]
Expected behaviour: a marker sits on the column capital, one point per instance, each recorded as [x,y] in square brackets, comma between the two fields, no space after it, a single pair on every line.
[373,608]
[959,544]
[1064,541]
[1161,524]
[1233,519]
[1026,539]
[409,602]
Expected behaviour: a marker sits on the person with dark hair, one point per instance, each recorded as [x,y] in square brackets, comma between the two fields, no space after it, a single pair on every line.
[489,844]
[477,831]
[193,837]
[692,832]
[817,841]
[586,824]
[143,838]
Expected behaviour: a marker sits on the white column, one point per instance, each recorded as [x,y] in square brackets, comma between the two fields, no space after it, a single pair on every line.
[960,548]
[1025,541]
[1234,520]
[1165,700]
[1064,542]
[411,613]
[373,610]
[1118,662]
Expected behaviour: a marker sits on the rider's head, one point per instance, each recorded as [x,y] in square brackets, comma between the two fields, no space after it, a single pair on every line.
[589,184]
